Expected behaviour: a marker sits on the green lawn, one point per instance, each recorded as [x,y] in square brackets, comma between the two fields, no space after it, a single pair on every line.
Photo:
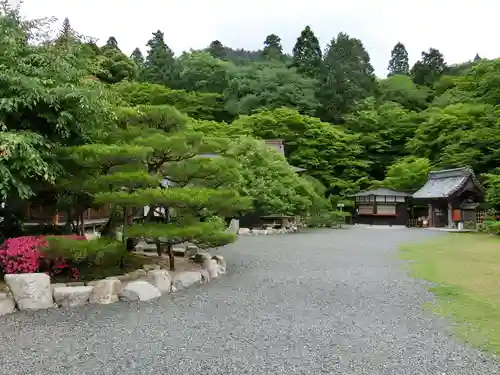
[466,269]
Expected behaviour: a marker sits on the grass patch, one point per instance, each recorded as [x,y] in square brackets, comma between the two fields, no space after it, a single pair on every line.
[466,271]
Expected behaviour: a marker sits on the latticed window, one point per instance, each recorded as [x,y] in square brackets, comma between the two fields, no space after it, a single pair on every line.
[365,209]
[386,209]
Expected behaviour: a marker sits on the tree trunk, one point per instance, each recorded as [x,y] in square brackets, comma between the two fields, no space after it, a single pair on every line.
[158,248]
[171,258]
[82,223]
[125,223]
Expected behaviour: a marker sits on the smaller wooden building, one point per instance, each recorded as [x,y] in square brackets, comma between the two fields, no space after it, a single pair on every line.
[452,196]
[381,207]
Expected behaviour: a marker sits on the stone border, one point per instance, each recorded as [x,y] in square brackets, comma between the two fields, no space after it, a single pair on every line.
[268,231]
[33,291]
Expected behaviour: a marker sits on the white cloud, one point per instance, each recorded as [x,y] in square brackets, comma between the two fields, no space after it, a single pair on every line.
[459,28]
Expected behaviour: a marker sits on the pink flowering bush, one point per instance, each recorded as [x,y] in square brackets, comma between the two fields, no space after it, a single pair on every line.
[25,255]
[21,254]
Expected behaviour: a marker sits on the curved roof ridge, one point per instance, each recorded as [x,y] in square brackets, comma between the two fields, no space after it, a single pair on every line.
[454,172]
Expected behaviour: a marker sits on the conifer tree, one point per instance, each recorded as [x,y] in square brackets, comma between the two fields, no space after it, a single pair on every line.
[216,49]
[398,64]
[272,48]
[160,65]
[307,53]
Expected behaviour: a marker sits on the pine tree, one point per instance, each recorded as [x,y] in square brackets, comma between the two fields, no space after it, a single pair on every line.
[216,49]
[429,68]
[272,48]
[160,65]
[137,57]
[307,53]
[398,64]
[67,34]
[112,43]
[166,172]
[347,76]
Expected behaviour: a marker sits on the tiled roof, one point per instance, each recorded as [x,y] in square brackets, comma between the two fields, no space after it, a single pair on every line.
[382,192]
[443,184]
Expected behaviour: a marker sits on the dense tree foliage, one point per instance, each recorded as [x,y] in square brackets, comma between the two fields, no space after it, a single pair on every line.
[347,76]
[272,48]
[160,65]
[398,64]
[307,54]
[429,68]
[347,128]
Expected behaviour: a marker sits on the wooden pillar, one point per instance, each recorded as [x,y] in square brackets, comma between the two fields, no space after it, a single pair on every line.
[431,215]
[450,215]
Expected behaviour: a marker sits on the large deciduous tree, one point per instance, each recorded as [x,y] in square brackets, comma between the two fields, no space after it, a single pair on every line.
[307,55]
[329,153]
[458,135]
[407,174]
[401,89]
[269,85]
[383,132]
[201,72]
[398,64]
[429,68]
[46,102]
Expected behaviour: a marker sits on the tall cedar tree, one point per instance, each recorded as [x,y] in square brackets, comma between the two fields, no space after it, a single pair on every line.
[307,54]
[398,64]
[137,57]
[216,49]
[112,43]
[346,77]
[67,34]
[160,65]
[429,68]
[273,50]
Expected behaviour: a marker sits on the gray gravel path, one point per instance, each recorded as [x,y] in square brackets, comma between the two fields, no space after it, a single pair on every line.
[327,302]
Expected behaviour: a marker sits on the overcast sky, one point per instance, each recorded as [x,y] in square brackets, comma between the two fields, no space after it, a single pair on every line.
[459,28]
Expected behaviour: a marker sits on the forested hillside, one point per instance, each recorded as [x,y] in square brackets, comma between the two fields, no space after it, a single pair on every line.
[349,129]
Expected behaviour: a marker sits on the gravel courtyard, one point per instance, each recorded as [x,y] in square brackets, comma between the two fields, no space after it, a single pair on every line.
[325,302]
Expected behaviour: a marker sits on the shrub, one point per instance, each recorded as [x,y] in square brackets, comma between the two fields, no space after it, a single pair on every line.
[493,227]
[95,252]
[21,254]
[26,254]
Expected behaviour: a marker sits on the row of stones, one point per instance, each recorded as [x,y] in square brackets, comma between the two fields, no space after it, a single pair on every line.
[33,291]
[257,232]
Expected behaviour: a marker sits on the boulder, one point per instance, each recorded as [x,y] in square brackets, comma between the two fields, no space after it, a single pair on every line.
[221,262]
[200,257]
[244,231]
[137,274]
[72,296]
[185,279]
[105,291]
[139,291]
[149,267]
[161,280]
[179,251]
[7,303]
[205,276]
[191,250]
[76,283]
[31,291]
[213,269]
[234,226]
